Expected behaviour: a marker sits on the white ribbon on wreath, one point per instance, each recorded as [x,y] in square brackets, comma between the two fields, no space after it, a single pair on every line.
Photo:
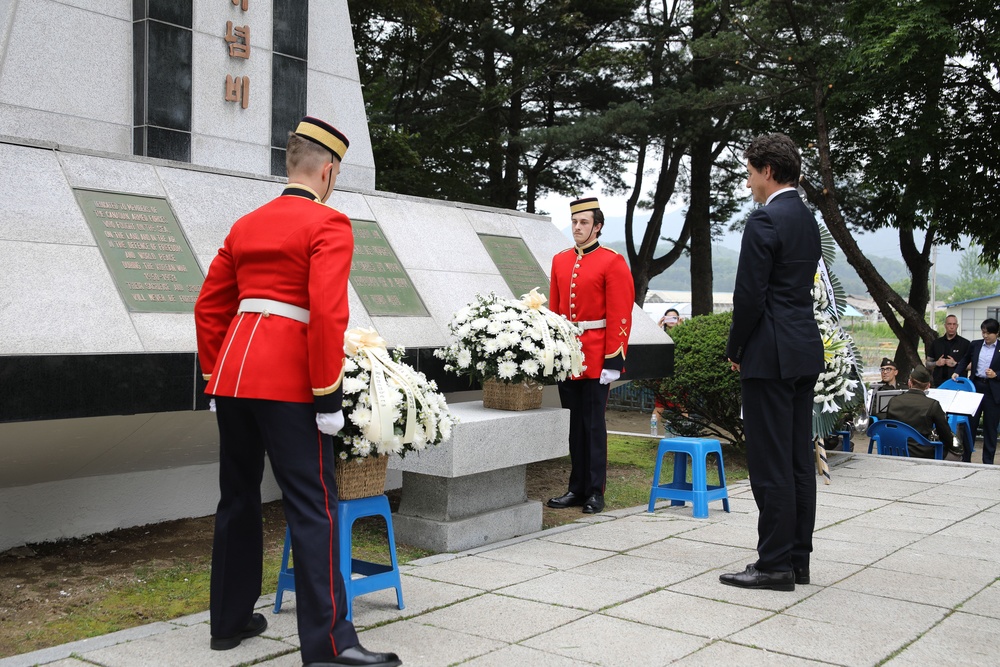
[367,342]
[534,300]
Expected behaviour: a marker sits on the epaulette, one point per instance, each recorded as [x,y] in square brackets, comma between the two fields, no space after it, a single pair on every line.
[609,249]
[571,249]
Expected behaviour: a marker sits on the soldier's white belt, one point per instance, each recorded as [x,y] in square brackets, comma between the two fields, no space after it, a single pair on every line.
[592,324]
[267,307]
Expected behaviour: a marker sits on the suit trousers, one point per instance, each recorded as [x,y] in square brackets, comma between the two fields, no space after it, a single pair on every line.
[588,434]
[989,414]
[302,460]
[777,421]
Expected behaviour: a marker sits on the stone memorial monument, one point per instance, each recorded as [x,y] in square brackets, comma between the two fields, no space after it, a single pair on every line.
[132,135]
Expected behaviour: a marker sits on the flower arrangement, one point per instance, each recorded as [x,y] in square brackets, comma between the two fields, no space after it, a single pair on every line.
[389,407]
[836,385]
[837,389]
[512,341]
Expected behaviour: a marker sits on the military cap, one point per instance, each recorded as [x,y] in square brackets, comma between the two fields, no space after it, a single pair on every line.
[324,134]
[586,204]
[886,361]
[921,374]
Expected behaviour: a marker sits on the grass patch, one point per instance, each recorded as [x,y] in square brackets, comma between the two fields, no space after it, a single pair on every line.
[632,461]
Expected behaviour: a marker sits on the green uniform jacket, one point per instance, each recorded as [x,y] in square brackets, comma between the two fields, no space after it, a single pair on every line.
[922,413]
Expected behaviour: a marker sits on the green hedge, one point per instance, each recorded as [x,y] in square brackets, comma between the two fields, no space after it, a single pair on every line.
[703,395]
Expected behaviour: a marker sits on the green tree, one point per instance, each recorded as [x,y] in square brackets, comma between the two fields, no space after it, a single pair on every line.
[892,101]
[497,102]
[679,137]
[974,278]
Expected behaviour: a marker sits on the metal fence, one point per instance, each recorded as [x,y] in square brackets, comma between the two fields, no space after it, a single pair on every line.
[631,397]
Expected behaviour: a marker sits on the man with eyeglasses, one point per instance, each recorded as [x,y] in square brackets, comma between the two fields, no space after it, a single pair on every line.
[984,363]
[888,372]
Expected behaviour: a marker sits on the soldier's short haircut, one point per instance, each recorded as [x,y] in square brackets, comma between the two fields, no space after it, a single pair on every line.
[304,155]
[777,151]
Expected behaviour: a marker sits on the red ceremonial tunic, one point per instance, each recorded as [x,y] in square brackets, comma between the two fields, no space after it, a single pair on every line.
[296,250]
[594,283]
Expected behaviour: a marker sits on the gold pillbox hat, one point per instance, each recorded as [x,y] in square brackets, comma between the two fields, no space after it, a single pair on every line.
[324,134]
[586,204]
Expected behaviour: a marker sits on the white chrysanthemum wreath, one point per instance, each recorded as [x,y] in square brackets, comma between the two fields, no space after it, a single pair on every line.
[389,407]
[512,341]
[836,386]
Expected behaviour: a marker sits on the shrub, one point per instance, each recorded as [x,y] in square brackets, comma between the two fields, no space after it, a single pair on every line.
[702,397]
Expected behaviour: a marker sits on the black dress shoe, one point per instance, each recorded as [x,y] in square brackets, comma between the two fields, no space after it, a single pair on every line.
[754,578]
[801,575]
[570,499]
[256,626]
[594,504]
[359,655]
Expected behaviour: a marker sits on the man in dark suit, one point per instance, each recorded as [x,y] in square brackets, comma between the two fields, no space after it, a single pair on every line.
[923,413]
[984,363]
[775,344]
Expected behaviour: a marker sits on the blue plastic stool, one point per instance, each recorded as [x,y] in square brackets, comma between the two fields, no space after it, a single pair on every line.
[845,437]
[286,575]
[376,575]
[697,491]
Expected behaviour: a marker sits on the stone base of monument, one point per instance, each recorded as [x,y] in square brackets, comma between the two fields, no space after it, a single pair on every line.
[470,491]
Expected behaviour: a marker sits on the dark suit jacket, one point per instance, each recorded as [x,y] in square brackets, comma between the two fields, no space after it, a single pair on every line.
[774,332]
[971,362]
[922,413]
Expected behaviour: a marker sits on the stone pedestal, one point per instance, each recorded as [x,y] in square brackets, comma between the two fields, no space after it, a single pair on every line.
[470,491]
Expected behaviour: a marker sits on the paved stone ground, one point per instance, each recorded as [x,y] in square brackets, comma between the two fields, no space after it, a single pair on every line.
[904,573]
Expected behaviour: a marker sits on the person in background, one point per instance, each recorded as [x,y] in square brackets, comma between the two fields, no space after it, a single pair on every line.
[889,374]
[984,363]
[670,319]
[944,353]
[924,414]
[889,382]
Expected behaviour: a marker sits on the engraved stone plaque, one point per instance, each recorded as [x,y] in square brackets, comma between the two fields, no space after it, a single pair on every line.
[145,249]
[379,278]
[517,265]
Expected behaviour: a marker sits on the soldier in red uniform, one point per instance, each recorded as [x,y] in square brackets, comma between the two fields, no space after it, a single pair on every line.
[592,287]
[270,322]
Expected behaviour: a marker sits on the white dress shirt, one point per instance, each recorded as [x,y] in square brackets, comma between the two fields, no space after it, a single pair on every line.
[985,359]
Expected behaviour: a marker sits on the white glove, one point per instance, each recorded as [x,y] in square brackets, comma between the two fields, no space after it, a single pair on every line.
[608,376]
[211,405]
[330,422]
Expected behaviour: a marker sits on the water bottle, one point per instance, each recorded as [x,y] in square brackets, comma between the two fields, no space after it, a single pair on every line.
[652,426]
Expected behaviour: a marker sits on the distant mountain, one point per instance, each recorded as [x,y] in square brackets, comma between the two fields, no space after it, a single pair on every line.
[726,260]
[882,244]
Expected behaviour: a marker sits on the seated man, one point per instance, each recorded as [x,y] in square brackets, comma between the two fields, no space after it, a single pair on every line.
[923,413]
[888,373]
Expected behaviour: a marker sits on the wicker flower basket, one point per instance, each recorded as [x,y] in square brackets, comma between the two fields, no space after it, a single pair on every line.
[361,478]
[508,396]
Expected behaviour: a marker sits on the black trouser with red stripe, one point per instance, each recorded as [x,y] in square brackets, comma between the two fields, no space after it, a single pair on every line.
[588,434]
[302,460]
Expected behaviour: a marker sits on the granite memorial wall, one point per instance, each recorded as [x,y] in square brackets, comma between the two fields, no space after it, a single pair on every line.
[106,232]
